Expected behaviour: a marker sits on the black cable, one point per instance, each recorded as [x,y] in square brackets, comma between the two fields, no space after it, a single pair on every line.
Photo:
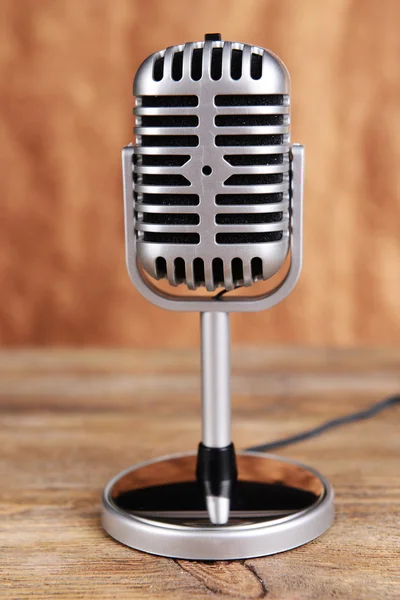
[361,415]
[225,291]
[366,413]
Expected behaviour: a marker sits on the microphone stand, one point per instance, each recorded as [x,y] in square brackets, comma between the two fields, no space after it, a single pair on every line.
[216,461]
[192,505]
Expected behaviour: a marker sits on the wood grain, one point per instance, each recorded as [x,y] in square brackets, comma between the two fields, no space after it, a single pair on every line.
[65,112]
[69,420]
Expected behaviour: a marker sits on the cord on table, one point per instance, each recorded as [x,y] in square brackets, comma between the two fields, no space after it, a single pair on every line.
[361,415]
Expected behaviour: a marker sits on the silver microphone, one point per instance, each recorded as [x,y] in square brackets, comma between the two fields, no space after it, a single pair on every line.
[213,197]
[212,165]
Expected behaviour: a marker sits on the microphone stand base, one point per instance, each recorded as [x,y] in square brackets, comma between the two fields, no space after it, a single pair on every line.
[158,507]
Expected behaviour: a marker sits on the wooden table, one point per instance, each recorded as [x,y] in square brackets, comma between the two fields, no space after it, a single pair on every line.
[72,419]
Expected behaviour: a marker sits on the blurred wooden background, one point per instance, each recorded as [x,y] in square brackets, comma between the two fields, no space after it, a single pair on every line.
[65,112]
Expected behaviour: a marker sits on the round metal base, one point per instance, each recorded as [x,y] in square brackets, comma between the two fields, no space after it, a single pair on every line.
[157,507]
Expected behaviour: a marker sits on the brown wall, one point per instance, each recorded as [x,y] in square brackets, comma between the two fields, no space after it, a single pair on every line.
[65,111]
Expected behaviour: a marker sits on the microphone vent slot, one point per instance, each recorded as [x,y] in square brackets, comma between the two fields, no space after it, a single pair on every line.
[165,180]
[197,64]
[171,219]
[168,101]
[249,238]
[251,100]
[158,68]
[170,121]
[236,64]
[249,160]
[161,267]
[250,219]
[256,66]
[170,238]
[249,140]
[216,63]
[239,199]
[199,271]
[237,270]
[170,199]
[183,141]
[262,179]
[256,268]
[248,120]
[180,270]
[218,271]
[177,66]
[163,160]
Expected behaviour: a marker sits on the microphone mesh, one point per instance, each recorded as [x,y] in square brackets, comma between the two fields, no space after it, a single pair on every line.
[211,172]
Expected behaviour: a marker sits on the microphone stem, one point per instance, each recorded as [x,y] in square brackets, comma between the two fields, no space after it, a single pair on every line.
[216,462]
[215,367]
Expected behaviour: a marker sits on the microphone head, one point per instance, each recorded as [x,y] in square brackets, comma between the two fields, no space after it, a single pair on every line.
[212,164]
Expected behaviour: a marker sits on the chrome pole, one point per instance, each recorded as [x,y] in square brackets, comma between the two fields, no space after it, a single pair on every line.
[215,370]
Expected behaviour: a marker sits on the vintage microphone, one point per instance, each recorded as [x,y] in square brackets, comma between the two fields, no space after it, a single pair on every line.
[213,200]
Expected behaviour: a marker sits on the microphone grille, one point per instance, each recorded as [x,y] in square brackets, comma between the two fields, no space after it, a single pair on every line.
[211,164]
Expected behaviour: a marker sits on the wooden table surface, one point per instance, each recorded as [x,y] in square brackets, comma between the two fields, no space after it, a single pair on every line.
[72,419]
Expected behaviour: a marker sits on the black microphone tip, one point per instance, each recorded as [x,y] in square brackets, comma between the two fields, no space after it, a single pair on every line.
[212,37]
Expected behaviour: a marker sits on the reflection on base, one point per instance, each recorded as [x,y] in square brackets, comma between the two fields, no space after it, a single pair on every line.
[276,504]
